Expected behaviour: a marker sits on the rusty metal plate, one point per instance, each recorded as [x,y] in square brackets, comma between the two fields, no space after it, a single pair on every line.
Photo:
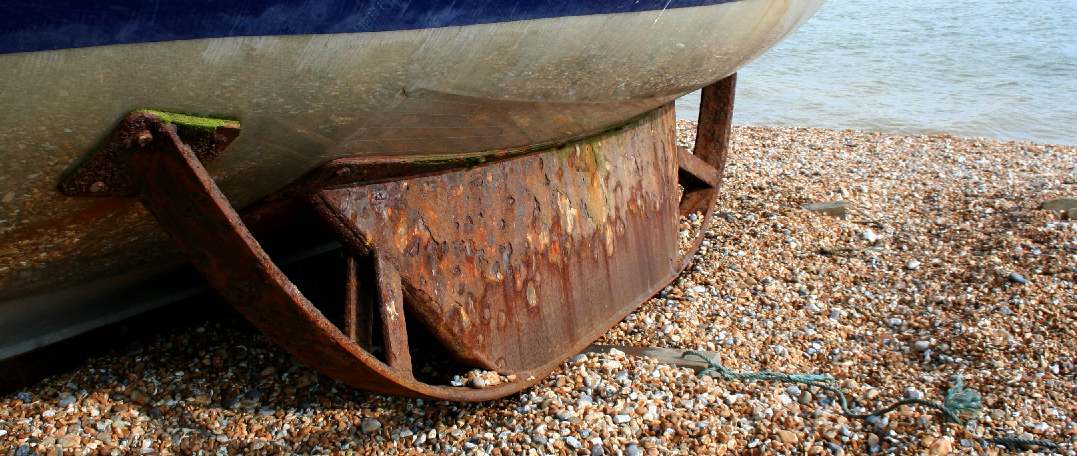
[511,263]
[106,172]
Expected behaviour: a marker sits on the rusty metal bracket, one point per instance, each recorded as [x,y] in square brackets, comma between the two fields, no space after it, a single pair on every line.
[702,170]
[509,265]
[106,172]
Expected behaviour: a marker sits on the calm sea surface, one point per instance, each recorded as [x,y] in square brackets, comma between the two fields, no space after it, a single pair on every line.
[998,68]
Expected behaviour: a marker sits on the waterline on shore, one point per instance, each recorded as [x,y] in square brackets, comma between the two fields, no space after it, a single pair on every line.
[1003,70]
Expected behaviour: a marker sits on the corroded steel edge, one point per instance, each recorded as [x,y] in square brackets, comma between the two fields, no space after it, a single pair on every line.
[209,231]
[105,172]
[713,131]
[505,262]
[214,238]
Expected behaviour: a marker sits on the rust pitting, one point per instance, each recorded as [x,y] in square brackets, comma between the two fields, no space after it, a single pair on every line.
[512,262]
[570,247]
[106,172]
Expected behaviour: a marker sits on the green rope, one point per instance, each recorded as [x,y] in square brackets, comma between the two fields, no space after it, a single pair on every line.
[959,401]
[1023,444]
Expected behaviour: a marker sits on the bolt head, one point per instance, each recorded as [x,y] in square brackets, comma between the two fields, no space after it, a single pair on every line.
[144,137]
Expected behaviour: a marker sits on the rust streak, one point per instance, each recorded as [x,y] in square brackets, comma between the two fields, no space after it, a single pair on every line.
[511,264]
[394,329]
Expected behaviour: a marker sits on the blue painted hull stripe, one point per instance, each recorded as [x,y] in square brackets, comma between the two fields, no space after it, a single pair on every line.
[40,25]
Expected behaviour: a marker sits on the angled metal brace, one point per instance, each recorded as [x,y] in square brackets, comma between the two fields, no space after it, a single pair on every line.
[511,266]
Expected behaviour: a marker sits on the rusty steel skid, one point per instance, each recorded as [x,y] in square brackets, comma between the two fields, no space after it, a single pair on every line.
[509,266]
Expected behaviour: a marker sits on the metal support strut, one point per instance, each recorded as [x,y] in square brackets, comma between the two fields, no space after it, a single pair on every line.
[508,266]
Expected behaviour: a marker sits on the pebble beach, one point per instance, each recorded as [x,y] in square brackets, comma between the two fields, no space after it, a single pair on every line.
[890,262]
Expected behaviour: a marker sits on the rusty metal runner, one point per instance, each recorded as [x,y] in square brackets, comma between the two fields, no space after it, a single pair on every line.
[511,265]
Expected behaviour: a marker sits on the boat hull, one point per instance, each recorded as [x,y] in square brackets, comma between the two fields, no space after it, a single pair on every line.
[307,99]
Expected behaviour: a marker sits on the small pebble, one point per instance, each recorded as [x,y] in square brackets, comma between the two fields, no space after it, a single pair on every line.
[67,400]
[913,393]
[833,209]
[370,425]
[1017,278]
[572,442]
[941,446]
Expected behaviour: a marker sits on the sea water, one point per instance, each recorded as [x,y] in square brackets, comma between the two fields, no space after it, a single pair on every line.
[996,68]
